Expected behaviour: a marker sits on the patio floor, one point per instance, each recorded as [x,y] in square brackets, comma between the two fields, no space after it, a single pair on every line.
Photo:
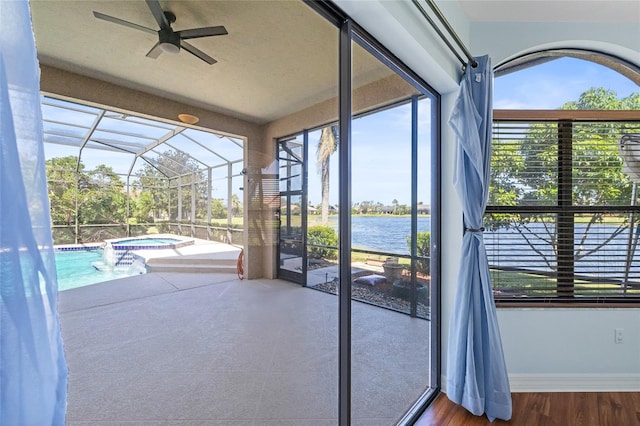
[209,349]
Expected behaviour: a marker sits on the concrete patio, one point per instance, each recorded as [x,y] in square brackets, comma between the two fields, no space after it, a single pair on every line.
[209,349]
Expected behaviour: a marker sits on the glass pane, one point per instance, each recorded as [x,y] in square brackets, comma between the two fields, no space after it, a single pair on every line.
[423,238]
[529,264]
[302,383]
[322,210]
[524,164]
[607,163]
[390,347]
[602,255]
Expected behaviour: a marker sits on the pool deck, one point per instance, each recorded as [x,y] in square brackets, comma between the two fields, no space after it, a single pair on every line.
[209,349]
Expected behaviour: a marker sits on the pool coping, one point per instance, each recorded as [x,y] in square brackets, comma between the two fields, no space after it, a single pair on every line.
[77,247]
[116,243]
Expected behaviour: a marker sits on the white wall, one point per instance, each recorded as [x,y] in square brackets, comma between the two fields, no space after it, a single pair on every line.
[451,228]
[545,349]
[397,26]
[571,349]
[566,349]
[503,40]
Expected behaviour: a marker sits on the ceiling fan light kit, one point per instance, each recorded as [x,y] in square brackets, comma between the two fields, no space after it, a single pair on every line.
[169,41]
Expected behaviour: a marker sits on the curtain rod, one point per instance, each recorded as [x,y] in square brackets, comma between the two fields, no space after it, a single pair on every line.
[449,29]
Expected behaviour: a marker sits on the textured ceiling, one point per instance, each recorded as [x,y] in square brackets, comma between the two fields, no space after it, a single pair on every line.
[608,11]
[278,58]
[266,41]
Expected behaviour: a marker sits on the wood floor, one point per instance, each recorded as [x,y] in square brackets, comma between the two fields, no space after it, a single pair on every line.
[546,409]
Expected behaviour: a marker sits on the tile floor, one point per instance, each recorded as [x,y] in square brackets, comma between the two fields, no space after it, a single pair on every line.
[208,349]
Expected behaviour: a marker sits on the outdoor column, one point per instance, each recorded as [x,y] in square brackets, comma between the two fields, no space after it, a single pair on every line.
[229,203]
[77,225]
[209,203]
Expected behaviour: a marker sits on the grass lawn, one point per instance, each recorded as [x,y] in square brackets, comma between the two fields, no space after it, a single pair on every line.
[539,285]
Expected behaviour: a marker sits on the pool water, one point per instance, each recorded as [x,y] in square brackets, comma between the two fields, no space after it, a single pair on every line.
[75,269]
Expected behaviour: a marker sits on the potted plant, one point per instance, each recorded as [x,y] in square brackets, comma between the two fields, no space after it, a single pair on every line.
[392,269]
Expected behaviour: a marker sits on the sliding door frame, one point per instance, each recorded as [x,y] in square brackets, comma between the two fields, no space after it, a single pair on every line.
[350,32]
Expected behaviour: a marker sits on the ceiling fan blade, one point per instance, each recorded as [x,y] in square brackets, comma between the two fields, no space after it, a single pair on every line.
[202,32]
[158,13]
[123,22]
[155,51]
[197,52]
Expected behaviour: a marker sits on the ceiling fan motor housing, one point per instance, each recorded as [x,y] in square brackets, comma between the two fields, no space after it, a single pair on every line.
[169,37]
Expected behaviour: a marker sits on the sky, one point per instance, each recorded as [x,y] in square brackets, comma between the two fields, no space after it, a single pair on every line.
[381,149]
[550,85]
[381,158]
[545,86]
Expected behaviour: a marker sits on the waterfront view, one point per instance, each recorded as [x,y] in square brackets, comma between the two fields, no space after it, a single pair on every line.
[385,233]
[531,246]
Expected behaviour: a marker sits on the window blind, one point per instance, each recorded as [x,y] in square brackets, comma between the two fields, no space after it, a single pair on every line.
[562,221]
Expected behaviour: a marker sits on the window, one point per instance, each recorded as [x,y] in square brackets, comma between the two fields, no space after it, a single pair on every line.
[563,222]
[562,219]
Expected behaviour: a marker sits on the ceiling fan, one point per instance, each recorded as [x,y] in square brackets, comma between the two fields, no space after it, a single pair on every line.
[169,41]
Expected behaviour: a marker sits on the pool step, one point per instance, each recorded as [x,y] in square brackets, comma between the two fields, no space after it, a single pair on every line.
[192,264]
[194,268]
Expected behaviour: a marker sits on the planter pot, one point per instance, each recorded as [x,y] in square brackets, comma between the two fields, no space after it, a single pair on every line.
[392,271]
[403,290]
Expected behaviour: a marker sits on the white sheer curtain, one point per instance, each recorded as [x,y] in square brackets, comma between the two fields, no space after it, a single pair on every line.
[33,372]
[476,371]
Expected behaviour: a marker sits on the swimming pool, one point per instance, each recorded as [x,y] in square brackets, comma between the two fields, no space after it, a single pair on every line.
[75,269]
[78,266]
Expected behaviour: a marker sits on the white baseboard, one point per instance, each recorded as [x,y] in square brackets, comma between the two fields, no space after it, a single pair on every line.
[574,382]
[570,383]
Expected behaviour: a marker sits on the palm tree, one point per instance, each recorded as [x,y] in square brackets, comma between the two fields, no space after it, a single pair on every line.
[327,145]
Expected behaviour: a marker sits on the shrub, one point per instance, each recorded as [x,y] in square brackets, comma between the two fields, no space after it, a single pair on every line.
[324,236]
[424,250]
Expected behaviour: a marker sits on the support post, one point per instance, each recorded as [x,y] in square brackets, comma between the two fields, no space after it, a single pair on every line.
[229,203]
[128,216]
[209,188]
[179,205]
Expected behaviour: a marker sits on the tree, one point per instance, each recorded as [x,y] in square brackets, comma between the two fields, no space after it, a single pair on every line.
[143,207]
[327,145]
[524,172]
[61,178]
[103,198]
[153,178]
[236,205]
[98,195]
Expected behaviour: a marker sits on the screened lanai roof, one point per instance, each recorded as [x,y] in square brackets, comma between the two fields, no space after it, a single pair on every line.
[127,142]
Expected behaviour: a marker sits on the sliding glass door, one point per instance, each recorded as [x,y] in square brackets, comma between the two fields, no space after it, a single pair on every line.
[358,220]
[292,258]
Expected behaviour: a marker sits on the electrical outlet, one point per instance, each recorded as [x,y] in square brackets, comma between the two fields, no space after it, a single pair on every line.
[618,335]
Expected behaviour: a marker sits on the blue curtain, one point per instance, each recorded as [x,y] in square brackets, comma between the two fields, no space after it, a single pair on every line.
[476,371]
[33,372]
